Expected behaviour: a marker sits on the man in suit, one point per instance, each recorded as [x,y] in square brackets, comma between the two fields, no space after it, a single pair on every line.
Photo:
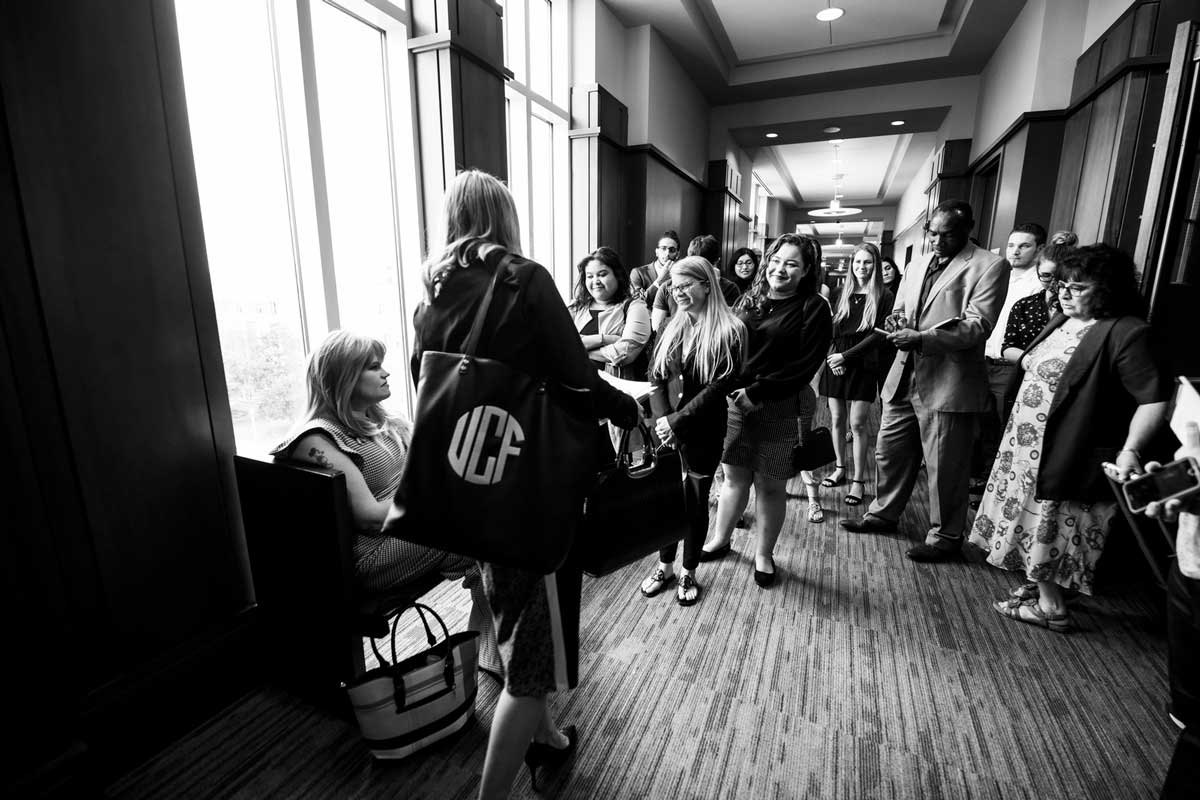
[648,277]
[947,305]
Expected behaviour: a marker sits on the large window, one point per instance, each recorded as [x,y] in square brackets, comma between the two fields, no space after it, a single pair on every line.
[303,140]
[535,51]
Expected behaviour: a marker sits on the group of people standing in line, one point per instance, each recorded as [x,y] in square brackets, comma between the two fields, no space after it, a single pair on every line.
[733,356]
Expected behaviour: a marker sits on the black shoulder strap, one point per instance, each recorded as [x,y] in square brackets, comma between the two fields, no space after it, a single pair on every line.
[472,342]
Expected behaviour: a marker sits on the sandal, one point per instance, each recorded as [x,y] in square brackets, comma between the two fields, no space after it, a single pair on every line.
[831,481]
[815,512]
[1029,591]
[687,593]
[852,499]
[657,581]
[1030,612]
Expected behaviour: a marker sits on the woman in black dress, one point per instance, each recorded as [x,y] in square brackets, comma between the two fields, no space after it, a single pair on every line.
[852,379]
[528,328]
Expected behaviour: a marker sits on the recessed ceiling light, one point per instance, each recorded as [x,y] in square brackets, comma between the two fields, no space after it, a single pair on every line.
[773,135]
[829,14]
[832,129]
[897,123]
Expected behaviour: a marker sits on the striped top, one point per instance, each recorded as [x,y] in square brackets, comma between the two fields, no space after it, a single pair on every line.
[380,459]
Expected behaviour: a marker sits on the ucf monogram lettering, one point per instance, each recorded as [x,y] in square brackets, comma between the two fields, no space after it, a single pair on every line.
[490,427]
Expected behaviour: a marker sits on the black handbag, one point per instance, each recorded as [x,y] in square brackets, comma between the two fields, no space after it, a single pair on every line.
[500,461]
[816,452]
[635,509]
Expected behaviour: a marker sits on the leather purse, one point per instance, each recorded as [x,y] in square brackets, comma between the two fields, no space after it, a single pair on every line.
[636,508]
[816,452]
[500,461]
[405,705]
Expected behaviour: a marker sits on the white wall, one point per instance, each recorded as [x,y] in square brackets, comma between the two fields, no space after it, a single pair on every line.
[637,82]
[909,211]
[1100,15]
[1031,70]
[678,113]
[610,50]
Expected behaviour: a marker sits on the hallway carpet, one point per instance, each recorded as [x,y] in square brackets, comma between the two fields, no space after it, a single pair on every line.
[859,674]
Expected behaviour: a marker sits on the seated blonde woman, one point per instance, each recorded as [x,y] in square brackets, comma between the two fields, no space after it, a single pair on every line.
[346,428]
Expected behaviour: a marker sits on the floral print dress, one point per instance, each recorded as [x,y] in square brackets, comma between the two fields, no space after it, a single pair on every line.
[1049,540]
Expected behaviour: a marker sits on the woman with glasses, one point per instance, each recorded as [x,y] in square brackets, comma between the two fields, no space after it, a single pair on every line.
[697,359]
[1093,392]
[1030,314]
[852,375]
[789,326]
[742,269]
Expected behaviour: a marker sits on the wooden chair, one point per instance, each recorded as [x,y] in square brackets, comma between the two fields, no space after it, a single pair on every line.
[300,535]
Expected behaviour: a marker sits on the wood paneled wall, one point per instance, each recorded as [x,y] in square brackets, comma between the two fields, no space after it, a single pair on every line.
[722,207]
[120,400]
[661,197]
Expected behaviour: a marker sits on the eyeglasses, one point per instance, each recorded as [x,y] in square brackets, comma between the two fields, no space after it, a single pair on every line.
[1044,278]
[684,288]
[1075,289]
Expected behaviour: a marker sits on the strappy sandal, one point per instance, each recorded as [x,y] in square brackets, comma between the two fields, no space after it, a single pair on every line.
[831,481]
[1029,591]
[852,499]
[1029,612]
[815,512]
[657,581]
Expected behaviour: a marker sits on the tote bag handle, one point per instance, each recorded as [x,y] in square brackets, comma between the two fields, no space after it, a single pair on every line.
[472,342]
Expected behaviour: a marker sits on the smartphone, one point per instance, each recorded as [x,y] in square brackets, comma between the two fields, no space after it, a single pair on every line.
[1177,479]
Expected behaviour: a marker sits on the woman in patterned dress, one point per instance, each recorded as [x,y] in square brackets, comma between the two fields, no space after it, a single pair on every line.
[1093,391]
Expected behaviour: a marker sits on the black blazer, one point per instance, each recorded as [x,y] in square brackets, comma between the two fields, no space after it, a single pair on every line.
[1113,371]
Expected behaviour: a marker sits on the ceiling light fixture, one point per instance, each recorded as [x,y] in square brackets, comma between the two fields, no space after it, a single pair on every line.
[896,123]
[830,14]
[833,129]
[835,207]
[772,135]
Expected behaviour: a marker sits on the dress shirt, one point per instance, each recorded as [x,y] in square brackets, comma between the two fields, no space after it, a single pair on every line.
[1019,285]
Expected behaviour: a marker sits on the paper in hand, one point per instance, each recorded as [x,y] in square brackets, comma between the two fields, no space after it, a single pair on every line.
[1187,407]
[638,390]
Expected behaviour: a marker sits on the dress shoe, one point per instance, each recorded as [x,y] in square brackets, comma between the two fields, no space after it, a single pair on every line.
[713,555]
[928,553]
[544,755]
[765,579]
[869,524]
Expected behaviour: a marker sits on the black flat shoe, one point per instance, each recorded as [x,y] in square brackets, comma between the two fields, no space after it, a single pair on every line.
[713,555]
[545,756]
[928,554]
[765,579]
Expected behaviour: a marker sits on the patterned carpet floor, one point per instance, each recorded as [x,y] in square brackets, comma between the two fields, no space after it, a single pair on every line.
[860,674]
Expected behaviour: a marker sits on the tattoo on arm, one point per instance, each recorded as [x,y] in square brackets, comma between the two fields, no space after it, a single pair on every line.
[319,457]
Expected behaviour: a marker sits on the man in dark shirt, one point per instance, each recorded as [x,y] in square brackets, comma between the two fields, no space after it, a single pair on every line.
[648,277]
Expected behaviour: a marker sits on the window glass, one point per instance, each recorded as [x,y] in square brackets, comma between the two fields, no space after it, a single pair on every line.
[541,190]
[229,75]
[351,92]
[541,39]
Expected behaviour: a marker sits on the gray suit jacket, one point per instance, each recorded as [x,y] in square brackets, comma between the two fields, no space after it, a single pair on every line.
[949,371]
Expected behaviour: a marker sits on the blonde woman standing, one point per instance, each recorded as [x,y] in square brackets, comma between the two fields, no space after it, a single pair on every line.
[854,365]
[699,353]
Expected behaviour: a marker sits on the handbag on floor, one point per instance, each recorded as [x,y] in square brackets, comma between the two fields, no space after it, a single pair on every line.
[634,510]
[816,452]
[405,705]
[499,462]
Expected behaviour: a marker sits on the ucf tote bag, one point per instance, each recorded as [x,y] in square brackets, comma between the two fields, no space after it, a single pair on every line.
[500,460]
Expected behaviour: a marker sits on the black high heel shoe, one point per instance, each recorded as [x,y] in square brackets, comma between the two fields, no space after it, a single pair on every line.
[544,755]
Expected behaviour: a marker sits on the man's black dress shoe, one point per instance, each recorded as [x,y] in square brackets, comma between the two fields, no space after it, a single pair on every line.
[929,553]
[869,524]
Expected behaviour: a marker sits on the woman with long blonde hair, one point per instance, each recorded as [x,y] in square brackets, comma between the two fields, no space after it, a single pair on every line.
[528,328]
[854,364]
[702,347]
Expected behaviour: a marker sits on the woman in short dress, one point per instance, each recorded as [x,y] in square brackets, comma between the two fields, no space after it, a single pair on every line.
[789,326]
[699,353]
[851,379]
[528,328]
[1093,391]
